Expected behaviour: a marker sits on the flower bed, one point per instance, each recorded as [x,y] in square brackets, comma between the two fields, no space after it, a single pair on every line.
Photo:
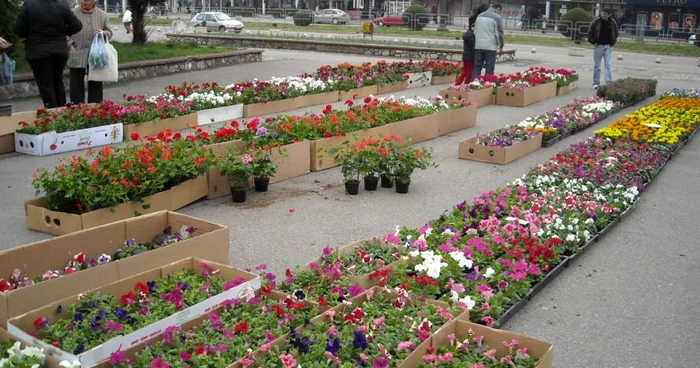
[119,315]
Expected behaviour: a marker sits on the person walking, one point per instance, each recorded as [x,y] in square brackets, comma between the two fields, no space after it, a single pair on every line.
[45,25]
[468,55]
[126,19]
[488,33]
[95,22]
[603,33]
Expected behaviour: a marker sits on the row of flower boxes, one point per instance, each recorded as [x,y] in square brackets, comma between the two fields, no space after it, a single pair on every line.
[507,96]
[52,142]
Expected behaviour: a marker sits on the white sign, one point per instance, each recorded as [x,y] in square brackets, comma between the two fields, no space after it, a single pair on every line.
[416,80]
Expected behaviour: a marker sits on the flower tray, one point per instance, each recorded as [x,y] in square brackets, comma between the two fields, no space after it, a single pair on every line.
[536,288]
[470,150]
[551,142]
[443,79]
[393,87]
[566,134]
[541,351]
[271,107]
[357,93]
[154,127]
[50,143]
[21,326]
[209,241]
[294,164]
[506,96]
[417,80]
[629,209]
[480,97]
[565,89]
[456,120]
[322,160]
[607,229]
[219,114]
[510,312]
[42,219]
[582,249]
[8,126]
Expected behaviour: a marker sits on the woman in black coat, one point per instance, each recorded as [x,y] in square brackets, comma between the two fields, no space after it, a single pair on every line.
[46,24]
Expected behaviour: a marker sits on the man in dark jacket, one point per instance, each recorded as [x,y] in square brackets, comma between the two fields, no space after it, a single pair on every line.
[468,55]
[46,24]
[603,34]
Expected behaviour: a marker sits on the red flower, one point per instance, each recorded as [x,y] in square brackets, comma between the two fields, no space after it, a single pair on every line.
[322,301]
[141,288]
[355,317]
[199,349]
[69,270]
[241,327]
[79,258]
[4,286]
[288,273]
[40,323]
[266,289]
[128,298]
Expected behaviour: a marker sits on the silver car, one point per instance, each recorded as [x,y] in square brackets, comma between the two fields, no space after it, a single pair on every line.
[217,21]
[331,16]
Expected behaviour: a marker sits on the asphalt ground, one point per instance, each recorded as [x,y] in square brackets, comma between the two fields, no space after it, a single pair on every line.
[631,301]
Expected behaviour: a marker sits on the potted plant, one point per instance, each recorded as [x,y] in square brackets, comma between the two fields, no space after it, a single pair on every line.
[385,160]
[348,157]
[262,169]
[406,160]
[239,169]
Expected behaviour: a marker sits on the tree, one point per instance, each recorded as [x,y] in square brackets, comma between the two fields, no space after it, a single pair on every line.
[139,8]
[573,18]
[416,17]
[8,15]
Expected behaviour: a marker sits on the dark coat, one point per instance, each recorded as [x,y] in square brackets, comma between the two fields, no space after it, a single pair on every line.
[594,32]
[469,41]
[46,24]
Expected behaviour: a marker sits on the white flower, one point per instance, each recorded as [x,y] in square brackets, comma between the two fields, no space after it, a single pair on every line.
[468,302]
[33,352]
[4,362]
[67,364]
[448,232]
[461,259]
[489,272]
[570,237]
[414,253]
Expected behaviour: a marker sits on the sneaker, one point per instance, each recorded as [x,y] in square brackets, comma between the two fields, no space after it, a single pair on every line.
[595,86]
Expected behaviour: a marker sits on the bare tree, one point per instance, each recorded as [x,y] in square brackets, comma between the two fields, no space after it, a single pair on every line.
[139,8]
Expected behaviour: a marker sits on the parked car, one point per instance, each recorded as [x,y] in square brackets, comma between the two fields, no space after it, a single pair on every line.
[217,22]
[393,19]
[691,40]
[331,16]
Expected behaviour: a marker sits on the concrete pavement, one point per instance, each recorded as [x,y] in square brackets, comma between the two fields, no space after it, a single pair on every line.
[632,301]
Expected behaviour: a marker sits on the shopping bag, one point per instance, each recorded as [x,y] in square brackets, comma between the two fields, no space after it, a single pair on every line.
[97,58]
[109,73]
[7,70]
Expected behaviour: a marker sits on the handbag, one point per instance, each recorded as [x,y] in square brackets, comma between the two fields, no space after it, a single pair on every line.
[110,72]
[7,70]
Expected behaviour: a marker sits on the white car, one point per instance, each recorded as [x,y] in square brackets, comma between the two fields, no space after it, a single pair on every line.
[691,40]
[217,22]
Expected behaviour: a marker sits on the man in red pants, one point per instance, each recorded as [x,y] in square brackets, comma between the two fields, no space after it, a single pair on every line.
[468,56]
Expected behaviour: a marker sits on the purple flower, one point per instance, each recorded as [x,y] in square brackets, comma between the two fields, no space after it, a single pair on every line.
[355,290]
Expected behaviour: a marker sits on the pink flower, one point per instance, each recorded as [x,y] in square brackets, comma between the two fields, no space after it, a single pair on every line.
[406,345]
[269,337]
[364,357]
[114,326]
[391,238]
[159,363]
[288,360]
[185,356]
[330,313]
[421,244]
[332,358]
[486,306]
[117,357]
[430,358]
[215,321]
[488,320]
[452,338]
[265,347]
[491,355]
[332,331]
[229,335]
[379,321]
[522,353]
[502,284]
[381,363]
[447,357]
[485,290]
[246,159]
[478,365]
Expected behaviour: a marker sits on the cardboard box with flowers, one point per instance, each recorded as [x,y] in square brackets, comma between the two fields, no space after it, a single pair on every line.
[479,92]
[380,328]
[15,353]
[232,335]
[88,327]
[40,273]
[471,345]
[501,146]
[566,80]
[124,182]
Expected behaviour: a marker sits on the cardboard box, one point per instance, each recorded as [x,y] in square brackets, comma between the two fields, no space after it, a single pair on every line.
[463,329]
[318,99]
[210,241]
[525,97]
[42,219]
[417,80]
[480,97]
[295,164]
[444,79]
[154,127]
[393,87]
[469,150]
[566,89]
[219,114]
[322,160]
[271,107]
[8,126]
[358,93]
[422,128]
[50,143]
[461,118]
[23,327]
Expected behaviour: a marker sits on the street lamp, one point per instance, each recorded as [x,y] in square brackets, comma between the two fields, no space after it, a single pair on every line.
[442,26]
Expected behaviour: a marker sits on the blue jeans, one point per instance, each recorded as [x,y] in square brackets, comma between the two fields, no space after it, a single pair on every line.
[484,59]
[602,52]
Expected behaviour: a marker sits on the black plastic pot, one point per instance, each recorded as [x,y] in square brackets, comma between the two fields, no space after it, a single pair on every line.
[387,181]
[261,184]
[352,187]
[402,187]
[371,183]
[238,195]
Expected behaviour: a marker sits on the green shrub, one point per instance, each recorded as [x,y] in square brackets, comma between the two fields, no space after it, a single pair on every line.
[303,18]
[8,15]
[567,23]
[416,17]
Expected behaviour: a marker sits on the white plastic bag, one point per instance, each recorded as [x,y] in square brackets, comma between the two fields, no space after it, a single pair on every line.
[7,70]
[110,72]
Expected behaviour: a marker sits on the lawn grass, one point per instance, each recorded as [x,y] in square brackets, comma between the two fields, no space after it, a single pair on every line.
[131,52]
[644,47]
